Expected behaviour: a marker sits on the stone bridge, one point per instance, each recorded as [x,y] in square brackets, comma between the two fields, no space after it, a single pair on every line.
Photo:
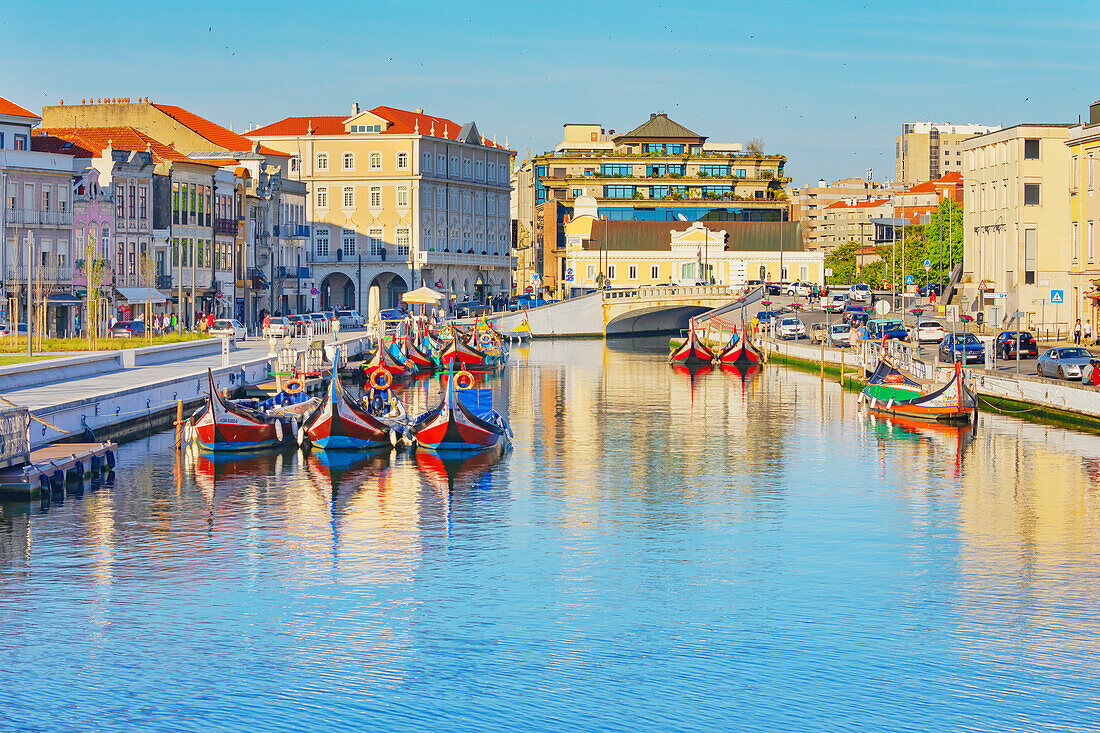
[625,312]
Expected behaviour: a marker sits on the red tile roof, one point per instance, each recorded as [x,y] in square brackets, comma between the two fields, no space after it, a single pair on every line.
[213,132]
[857,204]
[8,107]
[94,140]
[300,126]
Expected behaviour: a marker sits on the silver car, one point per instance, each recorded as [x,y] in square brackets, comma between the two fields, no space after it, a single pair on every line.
[789,327]
[1067,362]
[840,335]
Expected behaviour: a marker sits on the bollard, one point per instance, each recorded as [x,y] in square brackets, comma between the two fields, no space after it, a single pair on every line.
[179,422]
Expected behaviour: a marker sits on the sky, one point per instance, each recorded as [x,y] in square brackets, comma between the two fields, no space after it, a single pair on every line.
[827,84]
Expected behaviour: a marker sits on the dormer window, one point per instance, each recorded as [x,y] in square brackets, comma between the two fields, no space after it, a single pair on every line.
[366,128]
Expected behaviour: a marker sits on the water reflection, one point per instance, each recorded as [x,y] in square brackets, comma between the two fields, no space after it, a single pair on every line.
[669,549]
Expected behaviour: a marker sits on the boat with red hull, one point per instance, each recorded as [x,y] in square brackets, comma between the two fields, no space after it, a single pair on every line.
[739,353]
[339,423]
[464,422]
[692,352]
[221,425]
[385,360]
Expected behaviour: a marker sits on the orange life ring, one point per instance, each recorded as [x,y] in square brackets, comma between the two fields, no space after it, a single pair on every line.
[894,379]
[294,386]
[387,379]
[464,380]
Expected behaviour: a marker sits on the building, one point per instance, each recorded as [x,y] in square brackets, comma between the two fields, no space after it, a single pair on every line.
[400,199]
[850,220]
[630,254]
[925,150]
[1084,211]
[37,212]
[1016,233]
[808,203]
[658,171]
[523,225]
[916,203]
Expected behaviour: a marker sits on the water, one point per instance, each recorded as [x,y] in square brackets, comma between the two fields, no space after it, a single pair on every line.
[654,553]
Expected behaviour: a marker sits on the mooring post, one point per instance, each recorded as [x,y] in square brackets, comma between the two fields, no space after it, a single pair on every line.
[179,423]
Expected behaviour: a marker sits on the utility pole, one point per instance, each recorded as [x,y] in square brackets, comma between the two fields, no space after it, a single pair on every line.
[30,295]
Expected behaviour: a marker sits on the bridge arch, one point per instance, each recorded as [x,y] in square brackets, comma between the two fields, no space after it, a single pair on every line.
[656,319]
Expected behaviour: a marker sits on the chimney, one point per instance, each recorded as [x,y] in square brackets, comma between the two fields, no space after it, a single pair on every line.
[652,115]
[1094,113]
[821,184]
[355,108]
[419,110]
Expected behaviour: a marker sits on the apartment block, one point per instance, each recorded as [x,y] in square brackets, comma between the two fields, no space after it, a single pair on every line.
[808,203]
[1084,214]
[925,151]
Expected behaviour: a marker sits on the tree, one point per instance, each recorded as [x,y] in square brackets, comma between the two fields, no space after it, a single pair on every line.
[755,146]
[842,261]
[943,241]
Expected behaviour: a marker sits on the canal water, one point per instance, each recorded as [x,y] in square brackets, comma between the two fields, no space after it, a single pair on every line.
[656,552]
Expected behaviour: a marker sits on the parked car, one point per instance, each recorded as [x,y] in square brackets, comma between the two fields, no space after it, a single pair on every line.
[471,308]
[349,319]
[392,314]
[298,324]
[860,292]
[839,335]
[5,329]
[127,329]
[887,328]
[277,326]
[928,332]
[226,328]
[834,303]
[819,332]
[1005,345]
[789,327]
[773,289]
[766,317]
[962,347]
[799,288]
[858,317]
[927,290]
[1067,362]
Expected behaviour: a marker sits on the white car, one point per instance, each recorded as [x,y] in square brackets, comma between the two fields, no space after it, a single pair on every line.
[799,288]
[790,327]
[860,292]
[349,319]
[277,326]
[227,328]
[927,332]
[834,303]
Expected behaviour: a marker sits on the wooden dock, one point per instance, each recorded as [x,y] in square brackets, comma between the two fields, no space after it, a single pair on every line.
[52,466]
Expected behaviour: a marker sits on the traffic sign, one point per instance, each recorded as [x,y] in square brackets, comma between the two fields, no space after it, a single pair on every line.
[828,272]
[313,291]
[534,277]
[927,265]
[908,279]
[1057,296]
[882,307]
[569,274]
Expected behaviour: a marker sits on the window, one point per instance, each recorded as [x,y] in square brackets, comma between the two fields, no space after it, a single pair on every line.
[321,245]
[1089,251]
[1031,194]
[19,142]
[618,192]
[740,173]
[349,161]
[62,198]
[490,172]
[376,161]
[427,164]
[480,171]
[714,170]
[763,272]
[1030,254]
[376,196]
[1074,243]
[120,203]
[349,243]
[401,237]
[402,161]
[620,171]
[374,242]
[1074,172]
[654,272]
[632,272]
[465,167]
[592,272]
[349,197]
[402,195]
[366,128]
[295,164]
[1089,171]
[611,272]
[46,190]
[441,164]
[578,192]
[322,161]
[322,197]
[466,201]
[175,203]
[143,203]
[1031,149]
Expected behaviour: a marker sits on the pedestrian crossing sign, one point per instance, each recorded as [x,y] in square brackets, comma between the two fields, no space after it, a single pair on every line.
[1057,296]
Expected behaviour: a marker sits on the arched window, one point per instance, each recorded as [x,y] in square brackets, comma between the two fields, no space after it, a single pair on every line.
[376,161]
[402,161]
[349,161]
[322,161]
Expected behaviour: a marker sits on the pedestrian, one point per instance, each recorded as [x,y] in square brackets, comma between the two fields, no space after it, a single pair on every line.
[853,334]
[755,325]
[209,321]
[111,323]
[1077,332]
[1088,331]
[335,328]
[932,297]
[266,326]
[1094,379]
[156,323]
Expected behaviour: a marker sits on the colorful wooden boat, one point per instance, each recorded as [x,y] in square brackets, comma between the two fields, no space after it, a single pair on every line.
[385,359]
[341,424]
[423,363]
[692,352]
[889,391]
[739,352]
[461,354]
[221,425]
[464,422]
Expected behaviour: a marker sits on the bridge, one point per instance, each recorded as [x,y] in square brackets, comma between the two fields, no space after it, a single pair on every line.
[625,312]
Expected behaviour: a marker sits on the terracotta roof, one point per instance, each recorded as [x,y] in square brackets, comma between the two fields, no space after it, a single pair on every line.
[659,126]
[44,143]
[402,122]
[926,187]
[951,177]
[213,132]
[8,107]
[94,140]
[858,204]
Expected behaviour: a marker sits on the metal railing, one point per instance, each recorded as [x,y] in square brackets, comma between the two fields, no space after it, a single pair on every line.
[38,272]
[291,230]
[665,291]
[37,217]
[225,226]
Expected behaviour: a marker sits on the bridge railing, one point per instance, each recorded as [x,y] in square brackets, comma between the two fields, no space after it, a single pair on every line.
[664,291]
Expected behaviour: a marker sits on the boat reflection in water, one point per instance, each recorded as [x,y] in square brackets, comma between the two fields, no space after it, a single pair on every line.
[943,439]
[219,475]
[472,473]
[329,471]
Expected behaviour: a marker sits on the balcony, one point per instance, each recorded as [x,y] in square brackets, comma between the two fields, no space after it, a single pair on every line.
[465,258]
[291,231]
[227,227]
[48,275]
[37,218]
[164,282]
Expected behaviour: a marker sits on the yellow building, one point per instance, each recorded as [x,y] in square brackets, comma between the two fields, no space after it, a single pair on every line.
[1084,211]
[397,200]
[633,254]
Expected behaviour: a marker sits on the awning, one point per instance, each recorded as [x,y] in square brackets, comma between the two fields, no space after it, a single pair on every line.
[140,295]
[63,299]
[422,296]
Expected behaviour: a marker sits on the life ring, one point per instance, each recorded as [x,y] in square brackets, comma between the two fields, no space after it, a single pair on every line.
[464,380]
[294,386]
[386,379]
[894,379]
[485,339]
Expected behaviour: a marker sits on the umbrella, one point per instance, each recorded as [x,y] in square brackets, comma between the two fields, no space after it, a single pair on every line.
[422,296]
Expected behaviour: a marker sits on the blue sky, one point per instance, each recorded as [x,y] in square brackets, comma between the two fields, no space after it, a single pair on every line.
[826,83]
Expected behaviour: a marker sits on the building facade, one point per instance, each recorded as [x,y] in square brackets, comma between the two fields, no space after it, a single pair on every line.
[1083,295]
[851,220]
[927,150]
[397,200]
[659,171]
[808,203]
[1016,233]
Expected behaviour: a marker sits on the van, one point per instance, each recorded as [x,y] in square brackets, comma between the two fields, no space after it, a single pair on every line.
[860,292]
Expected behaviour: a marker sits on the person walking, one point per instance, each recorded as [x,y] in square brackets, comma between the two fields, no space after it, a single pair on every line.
[335,328]
[1088,331]
[1077,332]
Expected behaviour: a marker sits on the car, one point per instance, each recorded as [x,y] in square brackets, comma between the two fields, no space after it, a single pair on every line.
[834,303]
[277,326]
[928,332]
[766,316]
[799,288]
[5,329]
[773,289]
[789,327]
[392,314]
[819,332]
[927,290]
[349,319]
[887,328]
[860,292]
[840,335]
[298,324]
[470,308]
[1067,362]
[226,328]
[1005,345]
[858,317]
[128,329]
[962,347]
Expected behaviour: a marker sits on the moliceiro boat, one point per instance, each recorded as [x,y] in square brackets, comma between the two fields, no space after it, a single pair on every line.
[222,425]
[340,423]
[464,422]
[692,352]
[891,392]
[739,352]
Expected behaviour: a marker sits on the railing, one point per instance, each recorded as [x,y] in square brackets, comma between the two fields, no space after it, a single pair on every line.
[295,231]
[37,217]
[164,282]
[465,258]
[225,226]
[38,272]
[666,291]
